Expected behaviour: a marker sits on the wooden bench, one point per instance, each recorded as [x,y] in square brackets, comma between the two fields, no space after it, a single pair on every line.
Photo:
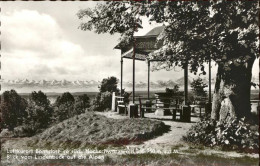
[121,107]
[197,106]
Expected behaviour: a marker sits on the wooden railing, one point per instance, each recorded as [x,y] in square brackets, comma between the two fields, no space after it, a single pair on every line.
[172,104]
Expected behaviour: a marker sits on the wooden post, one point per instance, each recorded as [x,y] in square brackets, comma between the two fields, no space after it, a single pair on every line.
[140,107]
[210,81]
[134,72]
[186,110]
[148,80]
[121,84]
[186,84]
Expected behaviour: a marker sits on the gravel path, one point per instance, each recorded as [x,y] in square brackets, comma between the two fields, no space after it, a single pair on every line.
[173,138]
[169,139]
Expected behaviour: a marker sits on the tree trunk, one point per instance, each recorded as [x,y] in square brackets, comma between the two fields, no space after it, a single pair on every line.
[231,96]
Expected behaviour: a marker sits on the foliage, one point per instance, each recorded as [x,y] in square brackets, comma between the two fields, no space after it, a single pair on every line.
[12,109]
[174,91]
[198,86]
[195,33]
[103,100]
[222,31]
[64,107]
[81,104]
[109,85]
[126,96]
[64,99]
[236,134]
[115,17]
[217,30]
[39,113]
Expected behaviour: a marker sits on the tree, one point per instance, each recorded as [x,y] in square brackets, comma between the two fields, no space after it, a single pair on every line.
[103,99]
[12,109]
[64,106]
[39,111]
[195,33]
[109,85]
[81,104]
[198,86]
[174,91]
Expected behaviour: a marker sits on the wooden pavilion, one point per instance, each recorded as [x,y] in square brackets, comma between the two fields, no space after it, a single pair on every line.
[140,49]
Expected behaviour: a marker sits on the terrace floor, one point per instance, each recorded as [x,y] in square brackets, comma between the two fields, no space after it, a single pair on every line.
[173,138]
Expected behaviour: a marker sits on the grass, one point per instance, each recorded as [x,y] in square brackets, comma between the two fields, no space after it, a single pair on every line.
[198,159]
[91,129]
[179,160]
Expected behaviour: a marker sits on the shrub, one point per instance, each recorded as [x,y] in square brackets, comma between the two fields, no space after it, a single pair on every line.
[38,110]
[174,91]
[198,86]
[12,109]
[65,98]
[109,85]
[126,96]
[64,107]
[103,99]
[236,134]
[81,104]
[38,117]
[24,131]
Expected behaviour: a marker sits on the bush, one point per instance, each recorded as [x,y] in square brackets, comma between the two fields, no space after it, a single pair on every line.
[174,91]
[81,104]
[24,131]
[102,101]
[109,85]
[65,98]
[39,111]
[126,96]
[64,107]
[12,109]
[198,86]
[235,134]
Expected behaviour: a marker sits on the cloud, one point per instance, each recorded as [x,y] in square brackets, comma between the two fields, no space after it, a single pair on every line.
[61,70]
[35,46]
[41,70]
[28,30]
[39,42]
[33,43]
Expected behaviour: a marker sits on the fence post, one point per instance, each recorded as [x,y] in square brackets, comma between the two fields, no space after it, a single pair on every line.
[140,107]
[113,101]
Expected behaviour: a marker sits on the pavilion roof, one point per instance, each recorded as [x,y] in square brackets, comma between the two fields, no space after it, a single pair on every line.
[139,56]
[152,34]
[155,31]
[143,45]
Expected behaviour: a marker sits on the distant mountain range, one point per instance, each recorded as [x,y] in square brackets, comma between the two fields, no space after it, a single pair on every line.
[44,83]
[26,85]
[22,83]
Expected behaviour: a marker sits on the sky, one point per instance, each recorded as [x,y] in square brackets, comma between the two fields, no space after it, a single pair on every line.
[41,40]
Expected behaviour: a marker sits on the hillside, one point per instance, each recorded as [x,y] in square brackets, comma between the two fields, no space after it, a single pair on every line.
[92,129]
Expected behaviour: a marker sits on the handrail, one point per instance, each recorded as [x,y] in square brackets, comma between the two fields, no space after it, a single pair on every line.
[160,97]
[255,100]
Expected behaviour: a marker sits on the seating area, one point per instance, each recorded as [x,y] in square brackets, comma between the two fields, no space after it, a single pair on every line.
[160,107]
